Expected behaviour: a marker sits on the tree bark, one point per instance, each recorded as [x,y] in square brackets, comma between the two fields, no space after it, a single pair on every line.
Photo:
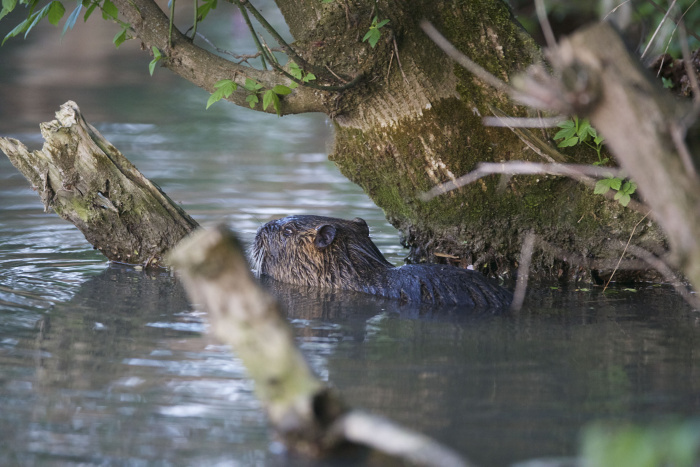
[88,182]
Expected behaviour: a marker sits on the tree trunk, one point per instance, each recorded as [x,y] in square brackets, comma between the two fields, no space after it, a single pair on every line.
[416,122]
[88,182]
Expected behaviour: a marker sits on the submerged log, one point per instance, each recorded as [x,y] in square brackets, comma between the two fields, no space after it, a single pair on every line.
[308,415]
[88,182]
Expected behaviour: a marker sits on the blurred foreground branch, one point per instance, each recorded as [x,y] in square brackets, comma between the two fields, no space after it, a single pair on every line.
[309,416]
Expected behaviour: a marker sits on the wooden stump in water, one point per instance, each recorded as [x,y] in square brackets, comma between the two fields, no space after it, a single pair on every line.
[88,182]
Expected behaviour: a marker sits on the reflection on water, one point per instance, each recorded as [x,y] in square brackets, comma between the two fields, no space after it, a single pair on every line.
[108,365]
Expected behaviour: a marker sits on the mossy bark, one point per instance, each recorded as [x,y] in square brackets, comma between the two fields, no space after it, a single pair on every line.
[88,182]
[410,127]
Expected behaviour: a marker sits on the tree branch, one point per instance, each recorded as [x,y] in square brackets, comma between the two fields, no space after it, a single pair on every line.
[202,67]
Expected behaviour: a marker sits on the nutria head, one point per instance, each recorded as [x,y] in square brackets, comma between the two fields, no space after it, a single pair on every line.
[316,251]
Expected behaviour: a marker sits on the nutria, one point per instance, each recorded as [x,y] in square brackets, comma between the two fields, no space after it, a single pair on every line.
[336,253]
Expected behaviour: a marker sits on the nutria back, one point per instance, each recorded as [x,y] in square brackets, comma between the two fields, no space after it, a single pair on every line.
[336,253]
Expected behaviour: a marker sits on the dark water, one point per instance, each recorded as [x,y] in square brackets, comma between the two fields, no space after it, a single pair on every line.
[107,365]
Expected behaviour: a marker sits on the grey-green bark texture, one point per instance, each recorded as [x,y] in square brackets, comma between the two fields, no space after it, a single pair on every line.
[88,182]
[416,122]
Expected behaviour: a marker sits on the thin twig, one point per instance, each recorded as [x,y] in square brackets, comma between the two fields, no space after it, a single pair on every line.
[523,122]
[398,60]
[615,9]
[575,171]
[658,28]
[668,274]
[625,250]
[242,58]
[388,70]
[523,272]
[291,53]
[248,23]
[462,59]
[689,69]
[544,24]
[675,20]
[338,77]
[582,173]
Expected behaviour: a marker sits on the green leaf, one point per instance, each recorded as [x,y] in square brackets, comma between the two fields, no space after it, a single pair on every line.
[72,18]
[601,187]
[309,77]
[293,85]
[224,88]
[567,124]
[56,12]
[109,10]
[327,1]
[252,85]
[573,141]
[36,17]
[565,133]
[271,97]
[294,70]
[89,11]
[615,183]
[252,99]
[7,7]
[19,29]
[267,99]
[668,84]
[372,36]
[281,90]
[120,37]
[156,56]
[381,23]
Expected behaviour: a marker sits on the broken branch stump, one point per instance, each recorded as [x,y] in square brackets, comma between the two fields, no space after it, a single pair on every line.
[89,183]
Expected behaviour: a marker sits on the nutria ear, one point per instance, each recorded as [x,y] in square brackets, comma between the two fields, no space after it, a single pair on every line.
[325,235]
[363,224]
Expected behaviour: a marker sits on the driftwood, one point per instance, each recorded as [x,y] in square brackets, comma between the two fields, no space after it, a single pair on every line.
[308,415]
[88,182]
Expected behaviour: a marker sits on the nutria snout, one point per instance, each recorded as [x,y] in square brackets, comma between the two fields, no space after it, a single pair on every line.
[337,253]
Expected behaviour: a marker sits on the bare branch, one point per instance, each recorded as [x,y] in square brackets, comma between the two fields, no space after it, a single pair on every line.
[204,68]
[575,171]
[624,250]
[544,24]
[523,272]
[666,271]
[658,28]
[522,122]
[462,59]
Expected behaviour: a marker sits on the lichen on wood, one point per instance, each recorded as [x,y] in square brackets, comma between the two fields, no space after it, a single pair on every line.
[88,182]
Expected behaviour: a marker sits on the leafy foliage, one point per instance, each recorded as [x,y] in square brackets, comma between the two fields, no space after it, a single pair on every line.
[575,131]
[299,74]
[54,12]
[156,57]
[224,89]
[674,444]
[374,32]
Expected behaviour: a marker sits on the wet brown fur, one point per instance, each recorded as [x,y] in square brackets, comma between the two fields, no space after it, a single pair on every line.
[337,253]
